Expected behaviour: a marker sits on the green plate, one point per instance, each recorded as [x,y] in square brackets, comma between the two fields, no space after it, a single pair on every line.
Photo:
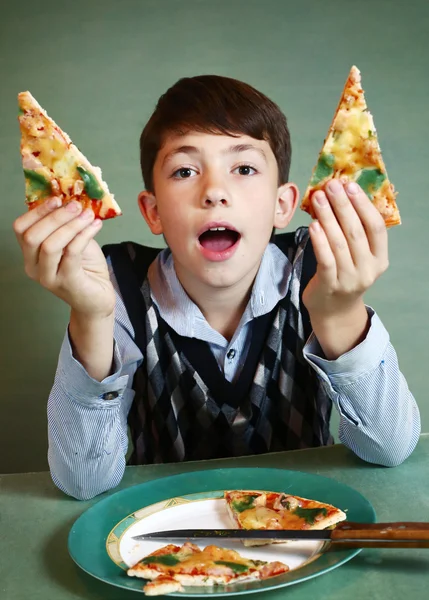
[95,538]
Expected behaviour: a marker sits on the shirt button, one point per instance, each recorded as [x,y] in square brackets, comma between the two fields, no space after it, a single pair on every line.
[231,353]
[110,395]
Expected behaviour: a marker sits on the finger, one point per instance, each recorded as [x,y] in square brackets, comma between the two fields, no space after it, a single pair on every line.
[334,233]
[326,263]
[349,220]
[52,249]
[77,246]
[28,219]
[372,222]
[37,234]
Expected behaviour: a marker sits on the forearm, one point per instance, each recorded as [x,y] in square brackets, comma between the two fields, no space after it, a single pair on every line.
[379,418]
[87,419]
[87,445]
[340,332]
[92,343]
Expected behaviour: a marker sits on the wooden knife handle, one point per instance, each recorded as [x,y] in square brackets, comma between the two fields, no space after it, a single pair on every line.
[381,531]
[372,535]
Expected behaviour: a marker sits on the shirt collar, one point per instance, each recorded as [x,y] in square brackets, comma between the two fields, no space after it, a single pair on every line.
[183,315]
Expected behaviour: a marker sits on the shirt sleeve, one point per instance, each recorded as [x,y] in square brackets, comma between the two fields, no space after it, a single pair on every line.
[87,419]
[379,417]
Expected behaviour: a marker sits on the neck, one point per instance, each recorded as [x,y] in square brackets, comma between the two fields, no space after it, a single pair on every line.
[222,307]
[223,311]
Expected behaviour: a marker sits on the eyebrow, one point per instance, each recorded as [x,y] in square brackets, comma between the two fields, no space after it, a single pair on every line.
[236,149]
[243,147]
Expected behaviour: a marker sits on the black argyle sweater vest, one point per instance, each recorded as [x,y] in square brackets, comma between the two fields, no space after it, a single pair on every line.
[184,408]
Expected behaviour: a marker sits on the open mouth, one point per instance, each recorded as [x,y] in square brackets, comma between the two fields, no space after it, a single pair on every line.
[218,239]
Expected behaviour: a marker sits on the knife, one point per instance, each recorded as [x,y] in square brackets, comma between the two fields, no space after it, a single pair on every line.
[346,535]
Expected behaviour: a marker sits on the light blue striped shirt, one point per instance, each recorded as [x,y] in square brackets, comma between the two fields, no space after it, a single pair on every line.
[87,419]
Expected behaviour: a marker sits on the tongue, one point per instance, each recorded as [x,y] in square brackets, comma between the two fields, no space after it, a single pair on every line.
[218,241]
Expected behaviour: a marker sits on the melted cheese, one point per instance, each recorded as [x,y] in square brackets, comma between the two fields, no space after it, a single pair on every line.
[266,518]
[206,560]
[260,518]
[351,139]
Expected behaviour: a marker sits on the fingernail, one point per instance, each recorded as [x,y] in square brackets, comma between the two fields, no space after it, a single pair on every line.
[54,203]
[353,187]
[87,213]
[96,223]
[320,198]
[315,226]
[73,206]
[334,185]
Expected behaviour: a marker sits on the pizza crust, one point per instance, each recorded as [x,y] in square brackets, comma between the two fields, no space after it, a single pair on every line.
[162,586]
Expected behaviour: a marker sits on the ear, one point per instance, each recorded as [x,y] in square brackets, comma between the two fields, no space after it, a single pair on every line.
[287,202]
[149,210]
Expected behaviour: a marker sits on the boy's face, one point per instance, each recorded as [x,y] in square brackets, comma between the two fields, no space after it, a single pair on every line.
[216,201]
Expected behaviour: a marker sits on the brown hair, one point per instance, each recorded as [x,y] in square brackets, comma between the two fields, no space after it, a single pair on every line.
[219,105]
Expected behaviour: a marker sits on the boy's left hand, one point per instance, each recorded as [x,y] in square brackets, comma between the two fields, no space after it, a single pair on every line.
[350,244]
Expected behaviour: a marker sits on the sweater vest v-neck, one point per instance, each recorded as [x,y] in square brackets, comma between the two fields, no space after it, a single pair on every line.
[185,409]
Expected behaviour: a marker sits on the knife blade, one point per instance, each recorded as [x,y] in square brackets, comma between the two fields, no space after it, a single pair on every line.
[346,535]
[256,534]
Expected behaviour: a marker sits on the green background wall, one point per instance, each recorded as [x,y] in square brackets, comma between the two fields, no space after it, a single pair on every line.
[98,68]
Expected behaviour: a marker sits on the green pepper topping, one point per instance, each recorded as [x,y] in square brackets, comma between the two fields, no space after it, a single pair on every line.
[370,180]
[20,111]
[244,504]
[92,187]
[236,567]
[37,185]
[164,559]
[309,514]
[324,168]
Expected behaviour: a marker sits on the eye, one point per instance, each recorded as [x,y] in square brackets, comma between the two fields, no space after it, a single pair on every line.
[245,170]
[184,173]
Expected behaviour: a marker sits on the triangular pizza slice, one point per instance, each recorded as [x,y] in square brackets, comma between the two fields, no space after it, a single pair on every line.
[53,165]
[351,152]
[253,509]
[170,567]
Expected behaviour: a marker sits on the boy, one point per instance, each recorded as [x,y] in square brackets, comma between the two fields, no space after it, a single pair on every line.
[223,344]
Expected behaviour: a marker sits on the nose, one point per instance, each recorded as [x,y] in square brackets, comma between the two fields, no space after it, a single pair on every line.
[214,192]
[213,201]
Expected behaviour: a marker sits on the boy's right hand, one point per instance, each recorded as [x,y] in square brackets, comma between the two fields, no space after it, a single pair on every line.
[61,254]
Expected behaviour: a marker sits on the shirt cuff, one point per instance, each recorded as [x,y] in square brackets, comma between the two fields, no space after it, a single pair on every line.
[355,363]
[81,387]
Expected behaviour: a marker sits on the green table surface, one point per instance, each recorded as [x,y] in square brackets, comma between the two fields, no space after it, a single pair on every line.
[35,519]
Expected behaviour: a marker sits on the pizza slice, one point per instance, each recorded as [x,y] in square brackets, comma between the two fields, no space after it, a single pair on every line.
[351,152]
[53,165]
[274,510]
[171,567]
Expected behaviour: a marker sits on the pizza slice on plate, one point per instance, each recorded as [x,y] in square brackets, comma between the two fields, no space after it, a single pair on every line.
[274,510]
[171,567]
[54,166]
[351,152]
